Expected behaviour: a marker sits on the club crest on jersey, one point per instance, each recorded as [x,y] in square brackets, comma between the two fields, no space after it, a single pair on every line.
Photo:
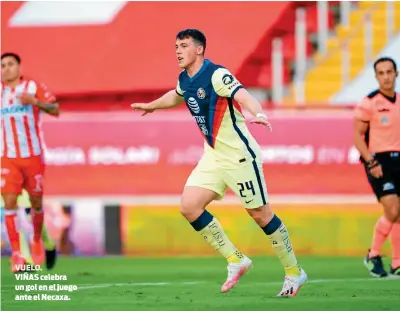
[384,120]
[193,105]
[201,93]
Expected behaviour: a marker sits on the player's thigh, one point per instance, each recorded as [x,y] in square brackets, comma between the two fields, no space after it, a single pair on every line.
[207,175]
[203,186]
[248,183]
[11,182]
[33,173]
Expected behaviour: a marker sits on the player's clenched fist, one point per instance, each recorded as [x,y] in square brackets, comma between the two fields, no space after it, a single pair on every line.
[145,108]
[27,99]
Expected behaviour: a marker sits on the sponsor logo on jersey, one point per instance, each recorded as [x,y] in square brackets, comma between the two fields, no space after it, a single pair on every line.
[193,105]
[14,110]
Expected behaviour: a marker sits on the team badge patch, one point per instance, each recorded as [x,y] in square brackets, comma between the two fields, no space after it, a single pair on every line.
[201,93]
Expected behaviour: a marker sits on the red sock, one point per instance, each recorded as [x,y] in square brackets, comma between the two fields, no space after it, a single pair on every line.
[13,234]
[381,232]
[395,240]
[37,220]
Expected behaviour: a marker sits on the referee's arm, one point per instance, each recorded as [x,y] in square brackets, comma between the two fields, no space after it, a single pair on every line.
[362,116]
[360,129]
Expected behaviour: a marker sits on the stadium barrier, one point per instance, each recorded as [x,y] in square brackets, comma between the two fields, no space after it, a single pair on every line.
[124,154]
[93,227]
[323,229]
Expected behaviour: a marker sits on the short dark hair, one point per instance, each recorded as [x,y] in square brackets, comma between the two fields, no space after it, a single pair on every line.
[198,37]
[10,54]
[385,59]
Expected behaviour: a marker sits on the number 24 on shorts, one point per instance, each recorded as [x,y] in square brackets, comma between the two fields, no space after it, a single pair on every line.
[248,185]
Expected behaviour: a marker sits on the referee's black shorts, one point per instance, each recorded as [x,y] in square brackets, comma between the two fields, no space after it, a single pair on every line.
[389,183]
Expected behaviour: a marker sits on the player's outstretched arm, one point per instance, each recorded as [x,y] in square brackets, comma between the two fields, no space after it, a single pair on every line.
[168,100]
[245,99]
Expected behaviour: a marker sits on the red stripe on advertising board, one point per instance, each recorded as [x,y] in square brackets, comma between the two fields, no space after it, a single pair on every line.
[154,156]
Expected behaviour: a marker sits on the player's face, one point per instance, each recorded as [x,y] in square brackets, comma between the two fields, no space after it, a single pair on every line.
[386,75]
[10,69]
[187,52]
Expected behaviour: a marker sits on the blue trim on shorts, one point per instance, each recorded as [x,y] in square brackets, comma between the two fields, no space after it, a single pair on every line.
[246,142]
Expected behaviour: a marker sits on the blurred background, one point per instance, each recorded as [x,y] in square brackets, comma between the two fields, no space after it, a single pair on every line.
[114,179]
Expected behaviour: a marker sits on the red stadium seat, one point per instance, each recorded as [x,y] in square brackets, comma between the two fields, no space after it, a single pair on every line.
[124,59]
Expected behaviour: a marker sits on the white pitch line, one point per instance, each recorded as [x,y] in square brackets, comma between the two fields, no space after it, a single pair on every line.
[316,281]
[106,285]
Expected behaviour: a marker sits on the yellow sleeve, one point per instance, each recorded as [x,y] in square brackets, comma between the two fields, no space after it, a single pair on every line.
[224,83]
[178,89]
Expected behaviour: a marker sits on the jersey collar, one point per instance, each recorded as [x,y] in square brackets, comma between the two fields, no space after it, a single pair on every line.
[203,67]
[21,79]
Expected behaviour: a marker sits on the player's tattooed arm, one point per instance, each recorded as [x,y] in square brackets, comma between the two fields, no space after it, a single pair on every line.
[50,108]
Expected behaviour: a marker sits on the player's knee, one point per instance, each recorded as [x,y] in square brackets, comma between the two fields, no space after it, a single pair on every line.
[36,202]
[392,213]
[10,201]
[396,214]
[261,215]
[190,208]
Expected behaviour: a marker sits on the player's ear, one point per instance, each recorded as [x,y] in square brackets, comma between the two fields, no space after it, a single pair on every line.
[200,50]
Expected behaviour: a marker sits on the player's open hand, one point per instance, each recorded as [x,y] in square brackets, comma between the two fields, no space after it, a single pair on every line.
[263,121]
[27,99]
[145,108]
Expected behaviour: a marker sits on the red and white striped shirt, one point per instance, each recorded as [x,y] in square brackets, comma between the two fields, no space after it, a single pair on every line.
[20,124]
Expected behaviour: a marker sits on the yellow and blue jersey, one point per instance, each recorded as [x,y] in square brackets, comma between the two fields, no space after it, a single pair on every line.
[209,95]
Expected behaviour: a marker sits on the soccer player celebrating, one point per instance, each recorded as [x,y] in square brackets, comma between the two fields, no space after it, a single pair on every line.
[377,137]
[22,102]
[232,158]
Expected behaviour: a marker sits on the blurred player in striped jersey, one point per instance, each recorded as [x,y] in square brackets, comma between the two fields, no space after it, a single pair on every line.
[25,231]
[22,103]
[377,137]
[232,158]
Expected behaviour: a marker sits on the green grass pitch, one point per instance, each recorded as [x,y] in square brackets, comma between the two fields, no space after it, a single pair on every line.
[123,283]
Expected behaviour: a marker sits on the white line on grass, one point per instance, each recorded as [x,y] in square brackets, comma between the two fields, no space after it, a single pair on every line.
[107,285]
[90,286]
